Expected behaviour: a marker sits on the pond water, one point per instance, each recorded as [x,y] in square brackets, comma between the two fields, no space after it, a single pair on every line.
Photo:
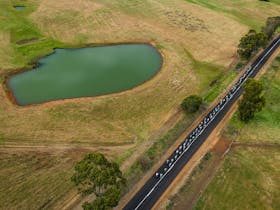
[19,7]
[93,71]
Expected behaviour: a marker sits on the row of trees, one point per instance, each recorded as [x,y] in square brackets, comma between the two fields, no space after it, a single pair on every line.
[252,41]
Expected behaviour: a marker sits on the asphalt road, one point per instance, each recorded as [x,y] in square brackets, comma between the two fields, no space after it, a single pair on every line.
[148,195]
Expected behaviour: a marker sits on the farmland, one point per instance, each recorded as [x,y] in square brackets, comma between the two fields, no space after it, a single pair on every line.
[198,45]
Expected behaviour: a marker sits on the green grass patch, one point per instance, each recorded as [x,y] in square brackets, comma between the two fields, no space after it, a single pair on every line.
[219,86]
[275,2]
[205,72]
[238,10]
[213,78]
[2,138]
[248,179]
[17,24]
[33,51]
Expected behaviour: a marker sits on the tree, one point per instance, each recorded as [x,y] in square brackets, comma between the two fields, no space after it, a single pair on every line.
[272,23]
[250,43]
[253,100]
[95,174]
[191,104]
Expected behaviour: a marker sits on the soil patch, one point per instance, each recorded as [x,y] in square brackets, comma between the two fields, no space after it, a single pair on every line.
[25,41]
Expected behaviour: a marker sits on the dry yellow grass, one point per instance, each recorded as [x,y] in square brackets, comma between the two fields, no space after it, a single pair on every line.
[20,174]
[209,36]
[131,116]
[5,50]
[175,27]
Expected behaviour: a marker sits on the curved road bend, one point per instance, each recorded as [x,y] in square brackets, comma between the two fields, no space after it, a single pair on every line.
[147,196]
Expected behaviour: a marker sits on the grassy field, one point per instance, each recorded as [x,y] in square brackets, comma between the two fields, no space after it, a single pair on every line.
[198,45]
[34,180]
[248,179]
[248,12]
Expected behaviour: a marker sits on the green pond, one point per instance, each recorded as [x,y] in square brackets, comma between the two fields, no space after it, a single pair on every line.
[92,71]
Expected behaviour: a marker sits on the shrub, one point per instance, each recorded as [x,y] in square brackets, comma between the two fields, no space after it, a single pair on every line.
[191,104]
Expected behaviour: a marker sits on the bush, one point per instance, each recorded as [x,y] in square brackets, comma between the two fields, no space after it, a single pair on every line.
[145,163]
[191,104]
[207,156]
